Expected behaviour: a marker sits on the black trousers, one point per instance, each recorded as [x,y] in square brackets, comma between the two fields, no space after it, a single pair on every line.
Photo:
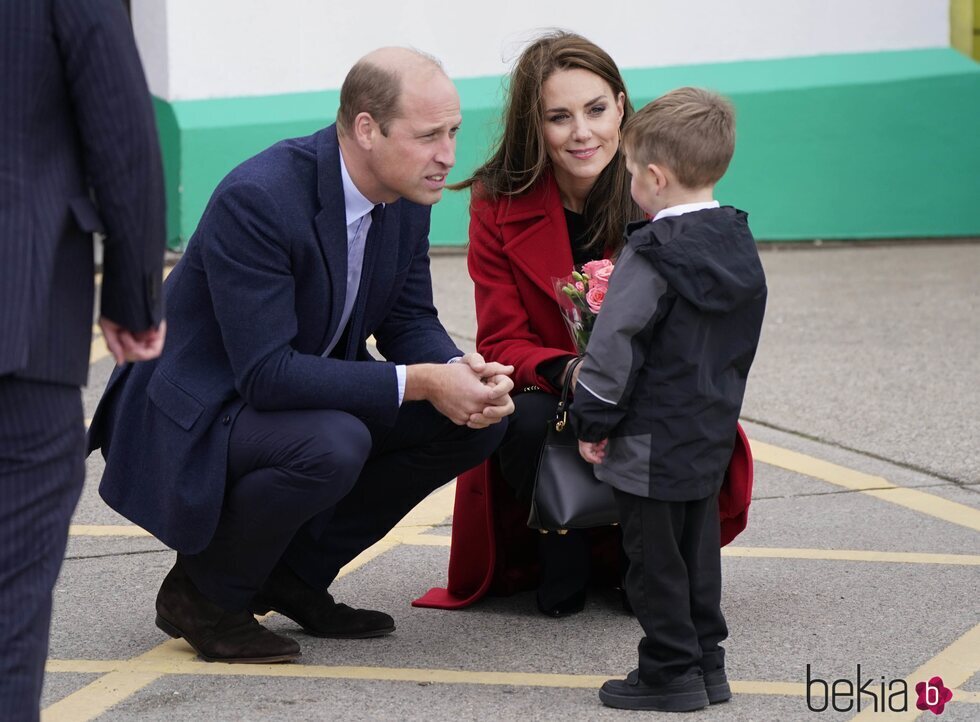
[314,488]
[674,584]
[42,469]
[565,559]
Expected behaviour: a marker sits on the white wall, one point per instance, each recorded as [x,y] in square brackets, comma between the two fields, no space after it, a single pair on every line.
[224,48]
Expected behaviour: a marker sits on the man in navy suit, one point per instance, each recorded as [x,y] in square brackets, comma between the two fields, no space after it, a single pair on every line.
[78,154]
[266,445]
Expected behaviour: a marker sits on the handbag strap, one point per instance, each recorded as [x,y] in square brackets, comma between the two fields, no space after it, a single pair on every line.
[561,414]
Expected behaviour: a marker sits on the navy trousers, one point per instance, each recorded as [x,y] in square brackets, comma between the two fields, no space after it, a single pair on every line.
[42,440]
[314,488]
[674,584]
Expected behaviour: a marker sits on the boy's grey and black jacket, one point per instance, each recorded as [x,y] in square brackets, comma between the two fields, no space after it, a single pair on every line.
[664,374]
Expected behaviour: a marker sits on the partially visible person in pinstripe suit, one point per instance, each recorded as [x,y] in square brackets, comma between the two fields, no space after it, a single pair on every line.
[78,154]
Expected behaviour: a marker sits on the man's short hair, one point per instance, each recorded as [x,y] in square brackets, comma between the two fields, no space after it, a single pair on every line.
[371,88]
[368,88]
[691,131]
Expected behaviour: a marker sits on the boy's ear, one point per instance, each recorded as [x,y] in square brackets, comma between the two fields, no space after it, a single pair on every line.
[659,176]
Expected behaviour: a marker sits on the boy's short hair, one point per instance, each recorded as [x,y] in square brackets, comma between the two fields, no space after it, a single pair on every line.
[689,130]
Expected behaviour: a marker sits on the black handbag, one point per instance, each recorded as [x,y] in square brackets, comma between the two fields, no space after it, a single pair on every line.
[566,493]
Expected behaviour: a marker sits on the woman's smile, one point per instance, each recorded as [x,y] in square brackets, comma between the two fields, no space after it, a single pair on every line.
[584,153]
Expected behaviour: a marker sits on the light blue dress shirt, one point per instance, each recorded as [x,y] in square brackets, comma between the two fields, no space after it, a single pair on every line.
[358,210]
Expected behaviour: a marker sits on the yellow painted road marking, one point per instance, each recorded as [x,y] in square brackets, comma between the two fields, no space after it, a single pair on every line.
[127,530]
[416,536]
[434,509]
[426,540]
[187,664]
[783,689]
[125,679]
[98,350]
[431,511]
[875,486]
[181,661]
[956,665]
[184,663]
[91,701]
[369,554]
[852,555]
[121,681]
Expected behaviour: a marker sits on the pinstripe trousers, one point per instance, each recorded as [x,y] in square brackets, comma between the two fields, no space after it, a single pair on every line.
[42,470]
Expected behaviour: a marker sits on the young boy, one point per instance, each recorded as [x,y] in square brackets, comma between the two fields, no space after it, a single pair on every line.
[659,392]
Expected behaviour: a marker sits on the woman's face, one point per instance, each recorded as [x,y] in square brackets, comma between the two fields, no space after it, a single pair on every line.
[581,128]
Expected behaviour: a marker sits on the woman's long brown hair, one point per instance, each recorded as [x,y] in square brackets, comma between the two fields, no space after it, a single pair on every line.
[520,158]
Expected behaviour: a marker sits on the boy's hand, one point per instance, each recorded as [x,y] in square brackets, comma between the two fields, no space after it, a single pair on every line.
[593,452]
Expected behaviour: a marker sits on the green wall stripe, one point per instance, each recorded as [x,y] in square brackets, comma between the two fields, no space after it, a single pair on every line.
[169,133]
[874,145]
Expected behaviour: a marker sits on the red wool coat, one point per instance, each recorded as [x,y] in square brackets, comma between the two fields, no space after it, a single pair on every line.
[517,245]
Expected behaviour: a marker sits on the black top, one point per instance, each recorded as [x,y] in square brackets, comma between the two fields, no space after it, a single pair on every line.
[578,238]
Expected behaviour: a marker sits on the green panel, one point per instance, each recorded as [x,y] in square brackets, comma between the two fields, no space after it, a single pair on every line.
[169,133]
[870,161]
[482,102]
[219,134]
[876,145]
[847,146]
[809,72]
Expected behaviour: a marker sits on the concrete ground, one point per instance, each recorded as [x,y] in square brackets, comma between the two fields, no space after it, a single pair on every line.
[862,556]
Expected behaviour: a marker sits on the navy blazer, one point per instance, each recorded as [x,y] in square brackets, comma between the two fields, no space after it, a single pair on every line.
[251,307]
[78,154]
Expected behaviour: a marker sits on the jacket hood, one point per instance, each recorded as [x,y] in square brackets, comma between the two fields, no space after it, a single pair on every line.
[708,256]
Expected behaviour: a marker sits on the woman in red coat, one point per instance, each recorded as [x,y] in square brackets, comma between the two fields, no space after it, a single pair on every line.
[554,195]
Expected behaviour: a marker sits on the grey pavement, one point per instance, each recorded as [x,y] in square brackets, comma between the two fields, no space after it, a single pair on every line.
[868,363]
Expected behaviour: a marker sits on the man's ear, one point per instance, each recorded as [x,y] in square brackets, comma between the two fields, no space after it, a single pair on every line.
[365,130]
[660,177]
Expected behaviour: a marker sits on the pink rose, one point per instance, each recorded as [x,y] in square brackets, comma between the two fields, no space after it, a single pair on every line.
[579,286]
[601,277]
[590,268]
[595,297]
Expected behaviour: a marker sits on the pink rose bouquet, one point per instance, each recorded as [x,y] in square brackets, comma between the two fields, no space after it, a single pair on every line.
[580,297]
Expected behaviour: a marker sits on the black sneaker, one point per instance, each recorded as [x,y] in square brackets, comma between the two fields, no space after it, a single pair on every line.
[716,685]
[682,695]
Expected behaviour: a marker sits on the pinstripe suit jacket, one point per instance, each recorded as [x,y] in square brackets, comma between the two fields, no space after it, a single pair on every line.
[78,154]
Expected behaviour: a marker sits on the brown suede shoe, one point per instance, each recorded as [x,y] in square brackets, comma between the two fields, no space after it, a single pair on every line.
[316,611]
[215,634]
